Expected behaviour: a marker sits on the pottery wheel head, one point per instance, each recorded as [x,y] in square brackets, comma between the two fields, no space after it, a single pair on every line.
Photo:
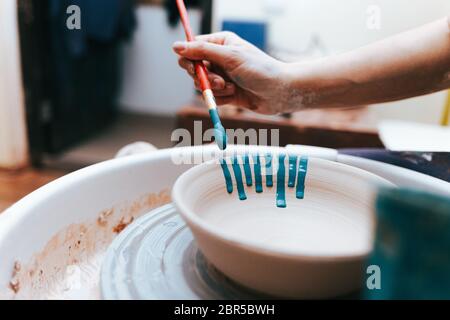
[156,258]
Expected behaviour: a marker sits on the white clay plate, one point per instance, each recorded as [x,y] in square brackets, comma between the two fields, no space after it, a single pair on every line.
[313,248]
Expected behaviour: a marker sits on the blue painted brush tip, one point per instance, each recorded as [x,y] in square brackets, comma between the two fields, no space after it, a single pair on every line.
[221,137]
[219,131]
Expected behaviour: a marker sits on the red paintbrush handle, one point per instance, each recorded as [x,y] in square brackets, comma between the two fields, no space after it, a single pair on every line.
[200,68]
[202,75]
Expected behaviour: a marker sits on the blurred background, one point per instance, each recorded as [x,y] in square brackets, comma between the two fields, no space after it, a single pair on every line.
[71,98]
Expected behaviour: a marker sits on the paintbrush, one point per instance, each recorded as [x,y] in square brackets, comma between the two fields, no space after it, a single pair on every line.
[205,86]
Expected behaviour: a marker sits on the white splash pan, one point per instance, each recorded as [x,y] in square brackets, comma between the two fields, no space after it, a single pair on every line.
[52,242]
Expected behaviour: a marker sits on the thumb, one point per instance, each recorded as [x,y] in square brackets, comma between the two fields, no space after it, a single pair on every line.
[201,50]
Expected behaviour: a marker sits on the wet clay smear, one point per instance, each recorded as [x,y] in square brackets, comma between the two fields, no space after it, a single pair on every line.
[68,267]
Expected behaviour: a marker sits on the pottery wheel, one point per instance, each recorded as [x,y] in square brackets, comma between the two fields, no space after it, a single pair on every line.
[156,257]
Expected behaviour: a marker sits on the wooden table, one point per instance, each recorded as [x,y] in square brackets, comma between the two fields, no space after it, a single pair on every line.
[14,185]
[315,128]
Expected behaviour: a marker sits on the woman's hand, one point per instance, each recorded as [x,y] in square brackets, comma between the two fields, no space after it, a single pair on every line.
[410,64]
[239,73]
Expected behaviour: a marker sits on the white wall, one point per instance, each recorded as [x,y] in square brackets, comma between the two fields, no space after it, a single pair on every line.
[13,141]
[153,82]
[342,26]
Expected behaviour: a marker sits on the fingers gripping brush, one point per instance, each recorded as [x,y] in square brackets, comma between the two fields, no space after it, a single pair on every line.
[208,96]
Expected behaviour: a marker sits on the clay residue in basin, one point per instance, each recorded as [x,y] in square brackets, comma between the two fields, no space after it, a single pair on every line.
[68,267]
[122,225]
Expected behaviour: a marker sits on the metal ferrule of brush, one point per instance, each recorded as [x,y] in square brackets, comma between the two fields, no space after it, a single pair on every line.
[210,101]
